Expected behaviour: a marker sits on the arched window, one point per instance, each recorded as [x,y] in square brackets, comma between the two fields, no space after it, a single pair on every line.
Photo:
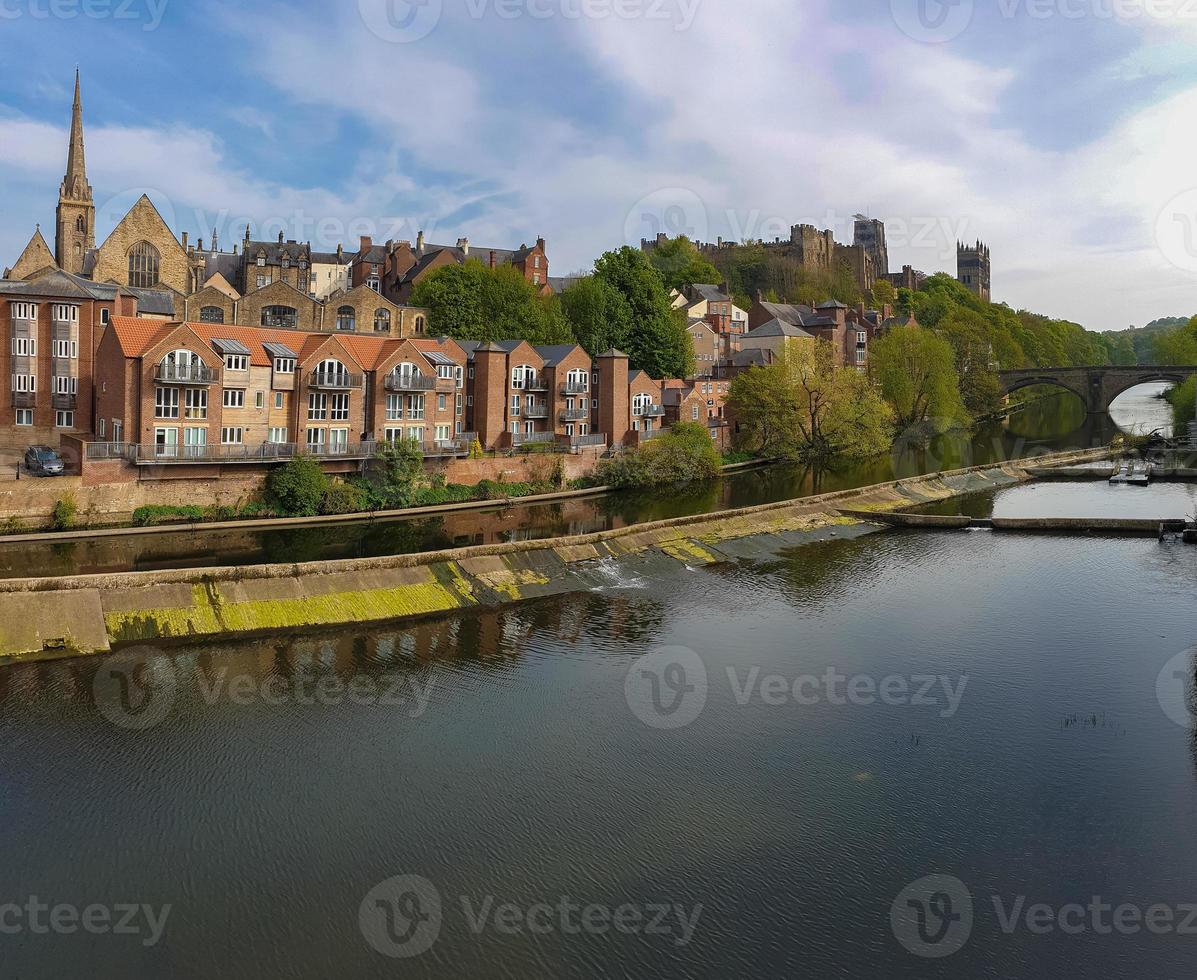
[331,372]
[382,321]
[80,224]
[347,319]
[523,376]
[641,404]
[144,263]
[280,316]
[419,324]
[211,314]
[181,365]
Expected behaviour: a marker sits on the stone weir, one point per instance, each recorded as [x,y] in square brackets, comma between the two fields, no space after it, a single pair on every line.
[50,618]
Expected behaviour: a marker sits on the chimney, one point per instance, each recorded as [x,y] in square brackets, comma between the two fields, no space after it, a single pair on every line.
[367,243]
[280,237]
[492,258]
[340,253]
[200,245]
[390,245]
[247,234]
[184,241]
[464,245]
[215,241]
[420,242]
[540,244]
[234,249]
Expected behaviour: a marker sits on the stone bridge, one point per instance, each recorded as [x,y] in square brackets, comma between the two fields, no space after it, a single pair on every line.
[1097,387]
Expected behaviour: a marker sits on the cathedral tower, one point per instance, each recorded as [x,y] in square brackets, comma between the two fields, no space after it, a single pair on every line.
[75,232]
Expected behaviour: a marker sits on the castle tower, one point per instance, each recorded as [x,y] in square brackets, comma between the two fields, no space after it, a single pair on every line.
[972,268]
[869,234]
[75,231]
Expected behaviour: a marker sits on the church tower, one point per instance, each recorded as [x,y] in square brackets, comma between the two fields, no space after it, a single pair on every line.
[76,227]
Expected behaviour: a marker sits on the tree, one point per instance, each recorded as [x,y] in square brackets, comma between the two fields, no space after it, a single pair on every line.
[916,372]
[884,293]
[680,264]
[658,341]
[1178,346]
[475,302]
[599,314]
[297,488]
[684,454]
[810,407]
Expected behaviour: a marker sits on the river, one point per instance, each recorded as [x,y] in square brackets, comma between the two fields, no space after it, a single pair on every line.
[744,771]
[1050,425]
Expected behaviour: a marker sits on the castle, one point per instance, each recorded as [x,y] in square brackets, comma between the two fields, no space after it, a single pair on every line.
[972,268]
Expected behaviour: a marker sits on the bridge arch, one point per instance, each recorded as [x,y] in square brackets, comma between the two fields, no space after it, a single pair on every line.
[1118,384]
[1017,384]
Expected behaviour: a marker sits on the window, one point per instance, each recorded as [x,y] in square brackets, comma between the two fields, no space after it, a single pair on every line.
[80,224]
[536,262]
[332,371]
[458,403]
[261,260]
[415,406]
[211,314]
[315,439]
[286,317]
[259,399]
[236,362]
[166,403]
[144,262]
[374,283]
[459,376]
[278,434]
[286,262]
[317,406]
[24,311]
[862,337]
[524,375]
[445,372]
[65,385]
[284,365]
[694,412]
[394,408]
[442,433]
[196,403]
[346,319]
[24,347]
[393,435]
[64,313]
[338,440]
[577,381]
[441,403]
[261,282]
[24,382]
[118,430]
[340,408]
[195,441]
[232,435]
[419,324]
[382,321]
[100,429]
[860,355]
[515,404]
[24,416]
[105,316]
[64,420]
[234,398]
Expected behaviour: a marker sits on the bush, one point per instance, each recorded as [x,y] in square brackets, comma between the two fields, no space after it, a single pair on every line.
[154,514]
[62,517]
[683,455]
[297,489]
[12,525]
[476,450]
[343,498]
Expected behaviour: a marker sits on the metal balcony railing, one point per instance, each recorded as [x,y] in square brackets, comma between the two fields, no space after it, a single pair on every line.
[335,380]
[410,382]
[536,384]
[593,439]
[186,374]
[574,415]
[575,388]
[648,411]
[105,450]
[533,438]
[536,411]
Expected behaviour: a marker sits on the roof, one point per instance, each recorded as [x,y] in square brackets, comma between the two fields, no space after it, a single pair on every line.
[554,354]
[152,300]
[275,251]
[278,350]
[711,293]
[330,258]
[226,345]
[753,357]
[831,304]
[560,284]
[226,264]
[777,328]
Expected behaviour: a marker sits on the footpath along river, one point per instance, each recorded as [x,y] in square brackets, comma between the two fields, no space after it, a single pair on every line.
[748,770]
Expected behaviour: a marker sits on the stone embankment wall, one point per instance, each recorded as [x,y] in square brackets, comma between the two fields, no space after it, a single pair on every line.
[86,614]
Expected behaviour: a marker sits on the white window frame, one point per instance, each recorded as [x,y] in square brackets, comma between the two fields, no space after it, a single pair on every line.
[232,435]
[24,416]
[234,398]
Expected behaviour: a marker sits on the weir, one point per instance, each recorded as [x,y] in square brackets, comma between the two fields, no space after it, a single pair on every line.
[55,617]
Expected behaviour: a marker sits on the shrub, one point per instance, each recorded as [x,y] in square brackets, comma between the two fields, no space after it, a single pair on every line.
[343,498]
[12,525]
[152,515]
[297,489]
[62,517]
[683,455]
[476,450]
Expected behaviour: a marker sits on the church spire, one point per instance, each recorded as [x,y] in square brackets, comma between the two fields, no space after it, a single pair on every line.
[74,185]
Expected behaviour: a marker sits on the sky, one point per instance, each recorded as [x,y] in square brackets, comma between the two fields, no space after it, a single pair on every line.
[1061,132]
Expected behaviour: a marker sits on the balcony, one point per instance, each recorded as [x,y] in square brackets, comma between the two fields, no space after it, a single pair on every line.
[535,384]
[336,381]
[64,403]
[24,399]
[533,438]
[150,454]
[648,411]
[592,440]
[186,374]
[536,411]
[575,415]
[410,382]
[575,388]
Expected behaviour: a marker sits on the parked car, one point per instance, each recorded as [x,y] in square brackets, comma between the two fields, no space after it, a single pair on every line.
[43,461]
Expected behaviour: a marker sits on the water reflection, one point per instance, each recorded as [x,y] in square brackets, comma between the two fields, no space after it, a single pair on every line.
[1051,424]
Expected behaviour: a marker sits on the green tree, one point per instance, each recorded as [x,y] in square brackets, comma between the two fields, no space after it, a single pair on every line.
[916,372]
[658,342]
[297,488]
[1178,346]
[679,264]
[810,407]
[599,314]
[884,293]
[475,302]
[684,454]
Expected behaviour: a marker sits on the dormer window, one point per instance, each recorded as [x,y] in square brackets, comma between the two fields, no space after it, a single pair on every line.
[261,260]
[284,365]
[236,362]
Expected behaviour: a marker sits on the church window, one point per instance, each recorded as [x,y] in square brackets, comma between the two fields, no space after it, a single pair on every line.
[144,265]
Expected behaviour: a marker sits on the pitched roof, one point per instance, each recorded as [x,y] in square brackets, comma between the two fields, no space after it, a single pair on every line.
[831,304]
[777,328]
[274,251]
[35,256]
[788,312]
[711,292]
[553,354]
[136,334]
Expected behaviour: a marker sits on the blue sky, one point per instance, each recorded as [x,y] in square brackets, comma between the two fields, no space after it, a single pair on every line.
[1060,131]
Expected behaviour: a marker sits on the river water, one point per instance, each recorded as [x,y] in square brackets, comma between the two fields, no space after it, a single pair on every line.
[742,771]
[1051,425]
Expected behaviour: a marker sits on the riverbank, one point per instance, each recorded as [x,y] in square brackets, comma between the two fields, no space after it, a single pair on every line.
[79,615]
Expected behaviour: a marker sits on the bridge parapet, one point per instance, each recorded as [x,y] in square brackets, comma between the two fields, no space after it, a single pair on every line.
[1097,386]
